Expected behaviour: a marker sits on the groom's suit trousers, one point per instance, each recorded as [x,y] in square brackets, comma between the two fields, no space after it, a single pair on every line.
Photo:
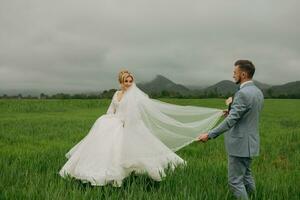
[239,176]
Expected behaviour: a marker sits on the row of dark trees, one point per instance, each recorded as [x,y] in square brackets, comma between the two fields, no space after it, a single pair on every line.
[104,95]
[55,96]
[107,94]
[213,94]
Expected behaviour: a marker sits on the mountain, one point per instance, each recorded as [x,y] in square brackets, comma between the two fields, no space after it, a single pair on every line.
[227,88]
[196,87]
[224,88]
[291,89]
[262,86]
[160,84]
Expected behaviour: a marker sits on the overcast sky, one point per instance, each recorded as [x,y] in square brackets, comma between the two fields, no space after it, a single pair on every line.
[81,45]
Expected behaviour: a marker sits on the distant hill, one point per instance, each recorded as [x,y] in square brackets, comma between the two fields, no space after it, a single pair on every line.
[196,87]
[227,88]
[223,88]
[262,86]
[160,84]
[291,89]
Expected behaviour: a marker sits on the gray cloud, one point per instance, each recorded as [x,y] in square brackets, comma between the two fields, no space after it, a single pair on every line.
[83,44]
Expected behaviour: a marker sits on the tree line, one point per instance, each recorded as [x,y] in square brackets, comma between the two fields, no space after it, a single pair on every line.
[107,94]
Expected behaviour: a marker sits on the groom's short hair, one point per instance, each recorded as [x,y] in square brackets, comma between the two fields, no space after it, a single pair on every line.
[246,66]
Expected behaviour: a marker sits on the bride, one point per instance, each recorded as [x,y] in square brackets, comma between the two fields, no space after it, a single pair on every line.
[137,134]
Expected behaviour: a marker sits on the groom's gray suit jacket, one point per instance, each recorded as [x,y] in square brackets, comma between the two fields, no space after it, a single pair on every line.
[242,138]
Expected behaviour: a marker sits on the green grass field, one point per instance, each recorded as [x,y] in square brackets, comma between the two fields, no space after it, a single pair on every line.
[36,134]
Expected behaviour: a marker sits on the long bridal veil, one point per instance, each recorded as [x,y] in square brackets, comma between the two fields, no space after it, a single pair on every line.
[176,126]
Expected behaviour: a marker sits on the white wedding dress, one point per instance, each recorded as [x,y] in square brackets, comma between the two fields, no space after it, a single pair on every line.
[136,134]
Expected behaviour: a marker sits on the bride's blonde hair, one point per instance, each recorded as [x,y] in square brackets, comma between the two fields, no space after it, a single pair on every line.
[123,75]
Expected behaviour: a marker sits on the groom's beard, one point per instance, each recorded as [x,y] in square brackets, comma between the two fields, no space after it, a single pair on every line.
[238,81]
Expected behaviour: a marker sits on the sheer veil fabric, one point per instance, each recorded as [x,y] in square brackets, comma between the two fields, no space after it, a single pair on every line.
[176,126]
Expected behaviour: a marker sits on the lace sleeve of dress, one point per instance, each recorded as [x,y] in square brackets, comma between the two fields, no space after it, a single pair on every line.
[111,109]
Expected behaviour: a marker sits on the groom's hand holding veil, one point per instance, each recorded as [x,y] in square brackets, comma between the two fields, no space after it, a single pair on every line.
[203,137]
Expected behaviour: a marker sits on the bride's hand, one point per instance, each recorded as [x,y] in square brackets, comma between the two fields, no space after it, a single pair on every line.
[228,101]
[225,112]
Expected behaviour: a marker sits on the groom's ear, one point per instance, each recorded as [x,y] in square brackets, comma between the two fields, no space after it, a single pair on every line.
[244,74]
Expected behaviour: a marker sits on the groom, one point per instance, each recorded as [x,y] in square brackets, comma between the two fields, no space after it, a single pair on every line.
[242,138]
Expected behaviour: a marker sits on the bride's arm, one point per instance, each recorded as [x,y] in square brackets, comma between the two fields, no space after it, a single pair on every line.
[111,109]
